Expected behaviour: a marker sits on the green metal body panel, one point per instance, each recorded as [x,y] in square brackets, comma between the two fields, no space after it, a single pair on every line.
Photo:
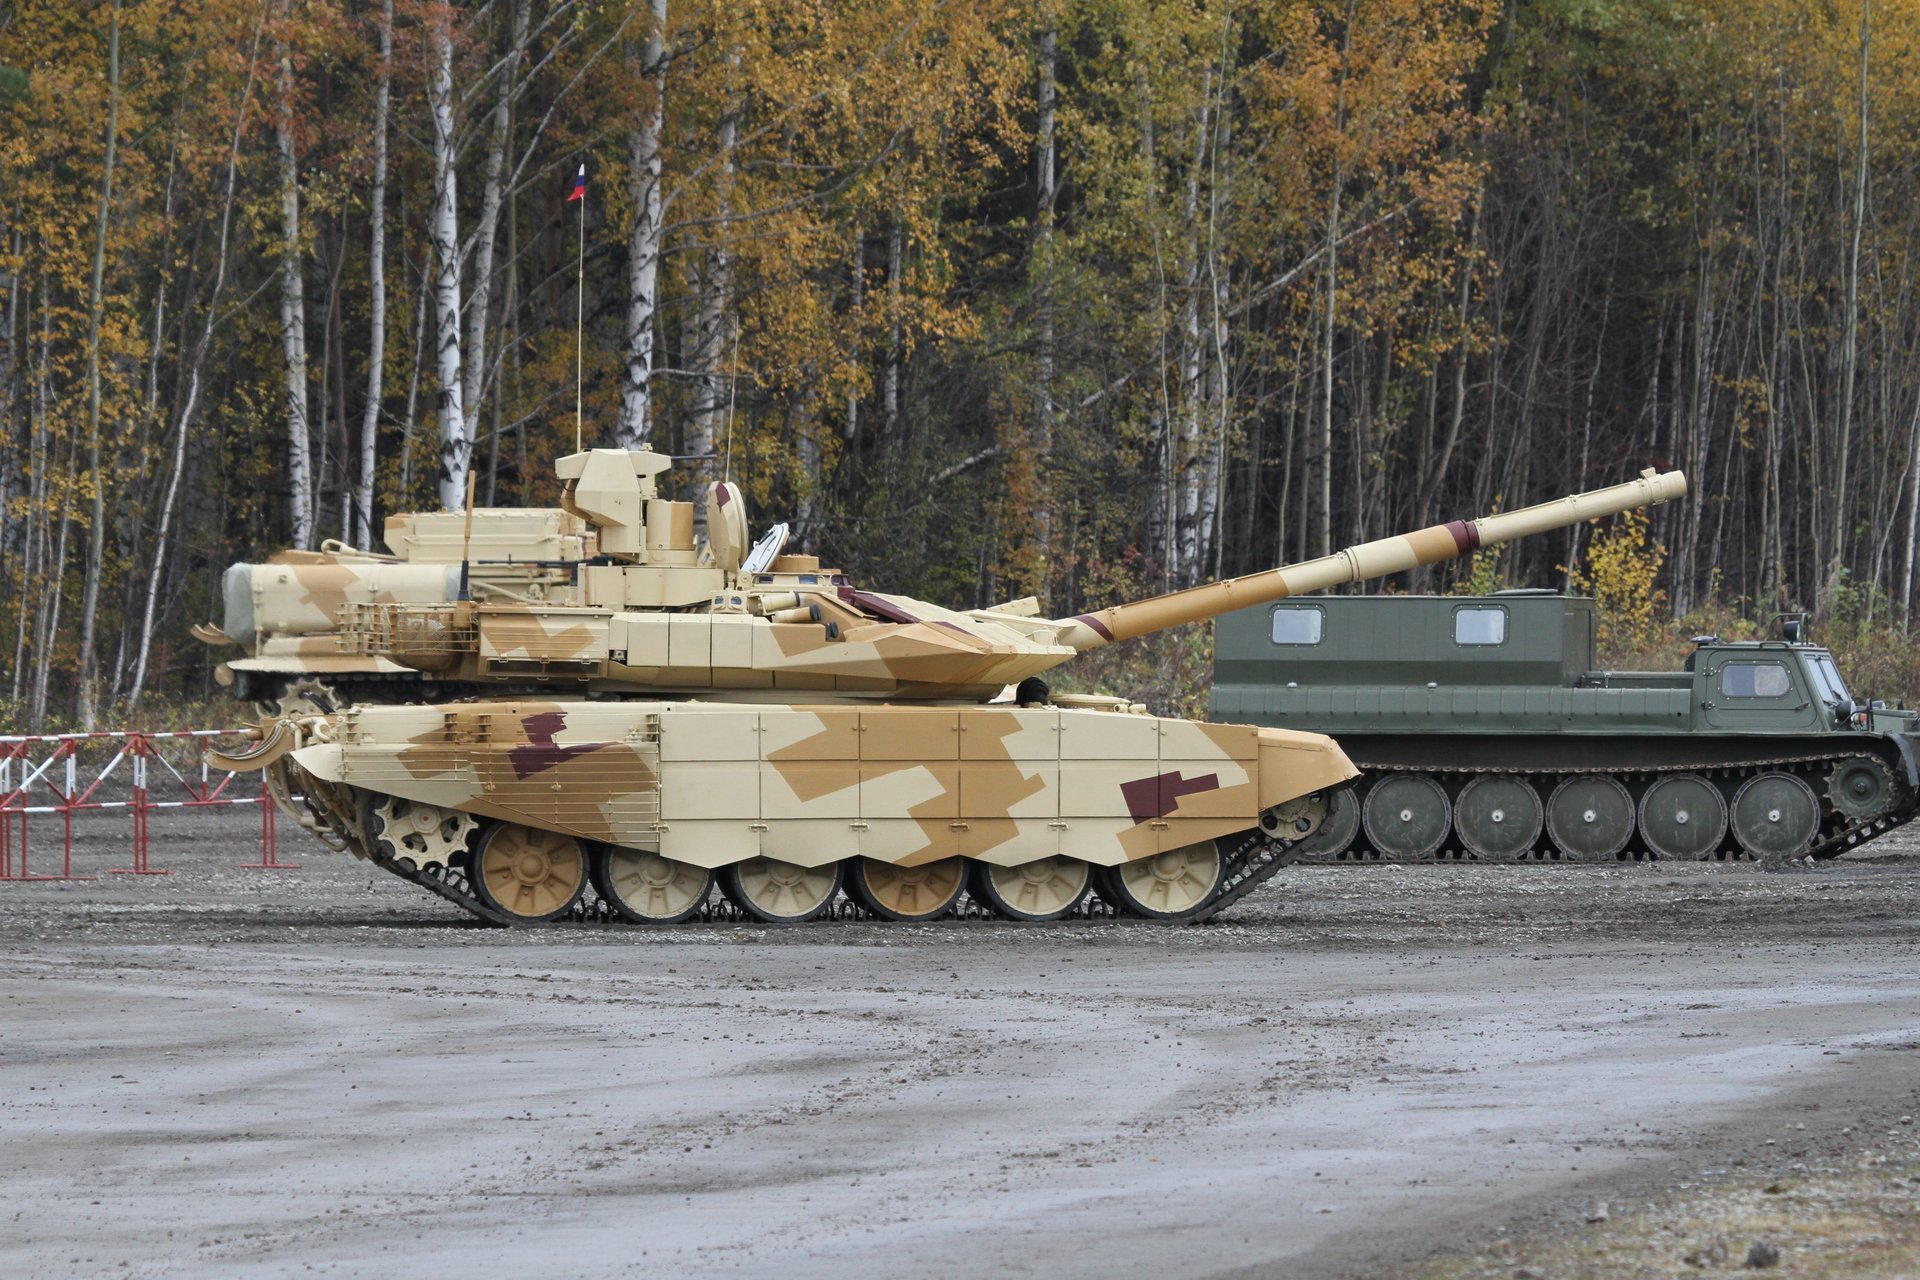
[1508,681]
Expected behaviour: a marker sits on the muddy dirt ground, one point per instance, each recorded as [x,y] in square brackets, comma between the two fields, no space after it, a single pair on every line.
[1422,1071]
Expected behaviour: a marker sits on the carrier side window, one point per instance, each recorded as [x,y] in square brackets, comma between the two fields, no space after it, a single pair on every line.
[1480,625]
[1754,680]
[1299,624]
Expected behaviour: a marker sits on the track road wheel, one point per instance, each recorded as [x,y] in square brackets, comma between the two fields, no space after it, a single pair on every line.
[906,893]
[1498,817]
[1043,890]
[1167,886]
[648,889]
[1407,817]
[1775,815]
[780,892]
[1590,816]
[529,874]
[418,835]
[1683,815]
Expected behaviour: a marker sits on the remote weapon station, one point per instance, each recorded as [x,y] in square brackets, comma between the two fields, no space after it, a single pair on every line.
[762,722]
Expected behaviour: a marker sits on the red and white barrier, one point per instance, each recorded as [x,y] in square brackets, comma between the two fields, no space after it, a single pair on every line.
[67,770]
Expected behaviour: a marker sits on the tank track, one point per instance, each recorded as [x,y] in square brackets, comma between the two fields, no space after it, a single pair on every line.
[1832,844]
[1249,864]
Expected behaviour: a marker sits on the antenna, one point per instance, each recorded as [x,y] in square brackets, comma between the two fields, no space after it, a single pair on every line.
[579,315]
[466,542]
[733,383]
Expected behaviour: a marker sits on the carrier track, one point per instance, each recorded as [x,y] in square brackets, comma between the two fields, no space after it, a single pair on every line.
[1832,820]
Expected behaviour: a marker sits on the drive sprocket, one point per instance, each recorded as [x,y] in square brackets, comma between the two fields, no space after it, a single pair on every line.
[419,835]
[306,696]
[1860,787]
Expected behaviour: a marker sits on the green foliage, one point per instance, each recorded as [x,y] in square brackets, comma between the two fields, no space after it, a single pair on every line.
[1172,672]
[1484,577]
[1622,573]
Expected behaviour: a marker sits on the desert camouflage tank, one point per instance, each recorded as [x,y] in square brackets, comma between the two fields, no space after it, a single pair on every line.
[284,614]
[840,738]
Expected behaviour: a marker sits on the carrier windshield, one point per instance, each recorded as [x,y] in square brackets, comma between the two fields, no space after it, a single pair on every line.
[1826,679]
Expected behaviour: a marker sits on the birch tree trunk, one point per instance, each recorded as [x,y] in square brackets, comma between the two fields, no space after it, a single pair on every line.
[96,534]
[377,292]
[456,445]
[190,403]
[487,232]
[890,381]
[1850,338]
[293,310]
[643,242]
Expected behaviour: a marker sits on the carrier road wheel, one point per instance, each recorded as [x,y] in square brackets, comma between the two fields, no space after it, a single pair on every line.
[1407,817]
[1590,816]
[1043,890]
[418,835]
[1683,815]
[907,893]
[1775,815]
[780,892]
[529,874]
[1498,817]
[1860,788]
[1168,886]
[649,889]
[1337,829]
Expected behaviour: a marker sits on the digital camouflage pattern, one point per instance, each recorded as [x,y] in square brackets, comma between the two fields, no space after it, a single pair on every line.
[714,784]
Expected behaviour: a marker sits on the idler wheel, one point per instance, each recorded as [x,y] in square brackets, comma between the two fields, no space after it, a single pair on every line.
[893,892]
[1167,886]
[1590,816]
[1498,816]
[1860,788]
[1337,829]
[529,874]
[1775,815]
[1407,817]
[1043,890]
[780,892]
[647,888]
[1683,815]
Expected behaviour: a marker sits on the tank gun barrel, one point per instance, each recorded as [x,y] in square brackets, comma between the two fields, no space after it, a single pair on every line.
[1375,559]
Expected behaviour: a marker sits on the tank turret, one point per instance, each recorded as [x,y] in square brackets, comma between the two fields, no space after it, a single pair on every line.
[750,623]
[282,614]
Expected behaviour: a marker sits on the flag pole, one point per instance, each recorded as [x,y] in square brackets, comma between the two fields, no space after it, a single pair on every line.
[580,321]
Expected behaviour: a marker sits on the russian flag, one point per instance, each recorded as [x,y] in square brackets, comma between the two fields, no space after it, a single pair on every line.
[579,186]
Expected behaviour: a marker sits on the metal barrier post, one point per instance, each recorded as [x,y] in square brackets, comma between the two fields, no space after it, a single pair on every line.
[7,753]
[269,838]
[140,748]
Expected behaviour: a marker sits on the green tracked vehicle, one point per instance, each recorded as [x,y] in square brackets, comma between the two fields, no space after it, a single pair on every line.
[1485,733]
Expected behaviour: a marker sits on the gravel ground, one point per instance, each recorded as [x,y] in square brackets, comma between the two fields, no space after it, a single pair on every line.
[1428,1071]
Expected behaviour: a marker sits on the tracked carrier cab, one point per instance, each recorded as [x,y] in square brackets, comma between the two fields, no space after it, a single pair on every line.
[1485,731]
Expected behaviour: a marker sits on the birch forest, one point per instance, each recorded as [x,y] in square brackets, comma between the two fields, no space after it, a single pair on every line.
[1082,299]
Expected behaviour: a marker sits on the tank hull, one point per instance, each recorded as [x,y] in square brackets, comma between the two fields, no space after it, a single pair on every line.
[830,791]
